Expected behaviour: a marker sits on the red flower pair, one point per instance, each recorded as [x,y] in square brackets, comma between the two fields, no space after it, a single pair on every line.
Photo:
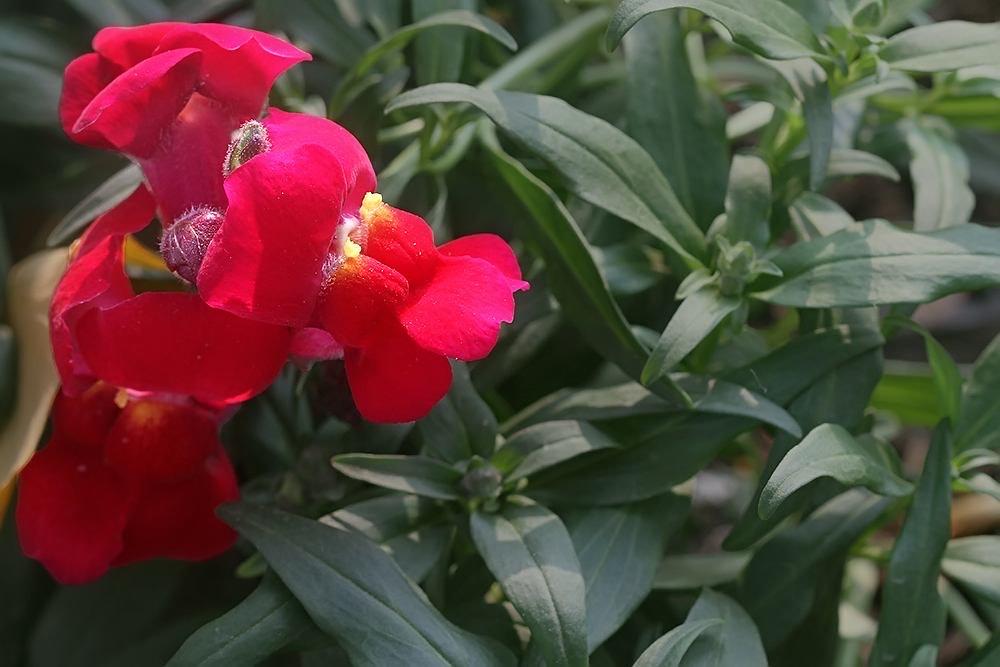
[273,221]
[117,485]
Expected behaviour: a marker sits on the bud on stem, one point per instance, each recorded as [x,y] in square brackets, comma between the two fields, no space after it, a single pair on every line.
[185,242]
[250,140]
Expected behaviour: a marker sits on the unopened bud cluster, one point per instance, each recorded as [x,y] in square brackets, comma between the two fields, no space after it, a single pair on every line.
[185,242]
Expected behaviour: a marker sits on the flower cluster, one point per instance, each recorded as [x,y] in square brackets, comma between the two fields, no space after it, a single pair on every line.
[283,250]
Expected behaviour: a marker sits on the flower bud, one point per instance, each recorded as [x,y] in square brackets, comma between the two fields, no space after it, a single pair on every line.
[250,140]
[483,481]
[185,242]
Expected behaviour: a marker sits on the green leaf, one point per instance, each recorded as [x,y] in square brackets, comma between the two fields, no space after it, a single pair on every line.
[766,27]
[671,649]
[974,562]
[913,613]
[32,58]
[736,641]
[107,195]
[529,551]
[438,56]
[411,474]
[814,215]
[600,163]
[411,529]
[944,46]
[780,583]
[544,445]
[877,263]
[619,550]
[979,424]
[848,162]
[840,396]
[830,451]
[266,621]
[748,201]
[940,172]
[355,592]
[694,320]
[682,127]
[658,453]
[808,82]
[688,571]
[403,36]
[573,275]
[947,378]
[709,395]
[461,424]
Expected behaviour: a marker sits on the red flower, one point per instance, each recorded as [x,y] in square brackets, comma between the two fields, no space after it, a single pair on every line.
[302,245]
[169,95]
[123,483]
[402,307]
[165,342]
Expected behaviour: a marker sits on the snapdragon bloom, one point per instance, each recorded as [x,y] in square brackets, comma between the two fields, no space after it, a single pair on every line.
[124,479]
[306,243]
[169,95]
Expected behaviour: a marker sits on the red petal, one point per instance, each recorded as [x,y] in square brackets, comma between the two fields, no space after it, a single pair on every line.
[131,112]
[152,440]
[84,78]
[311,344]
[174,343]
[85,420]
[240,64]
[491,248]
[404,242]
[393,380]
[361,294]
[266,261]
[95,278]
[177,519]
[71,512]
[458,314]
[287,130]
[126,46]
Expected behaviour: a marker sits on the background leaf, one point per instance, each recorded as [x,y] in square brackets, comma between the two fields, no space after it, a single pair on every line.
[912,611]
[766,27]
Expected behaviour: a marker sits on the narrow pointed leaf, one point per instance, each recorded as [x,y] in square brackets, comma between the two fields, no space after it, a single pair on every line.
[948,45]
[619,550]
[974,562]
[830,451]
[682,127]
[670,649]
[266,621]
[767,27]
[877,263]
[529,551]
[748,201]
[574,277]
[355,592]
[411,474]
[547,444]
[735,642]
[940,173]
[695,319]
[913,613]
[411,529]
[600,163]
